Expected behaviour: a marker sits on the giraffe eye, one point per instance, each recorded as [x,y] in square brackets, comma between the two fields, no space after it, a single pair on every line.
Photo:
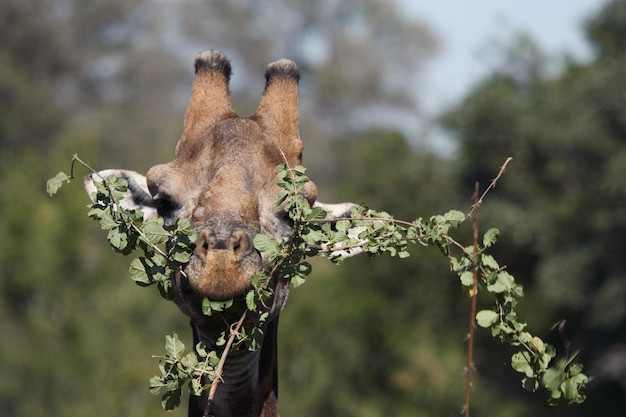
[166,207]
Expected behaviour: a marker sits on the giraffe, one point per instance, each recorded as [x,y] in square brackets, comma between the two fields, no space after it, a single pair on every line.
[223,179]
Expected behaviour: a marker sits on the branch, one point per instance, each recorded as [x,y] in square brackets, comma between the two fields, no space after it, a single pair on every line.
[129,221]
[234,332]
[492,185]
[473,294]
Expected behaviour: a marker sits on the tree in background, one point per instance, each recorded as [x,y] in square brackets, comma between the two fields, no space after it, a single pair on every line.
[562,203]
[340,48]
[62,307]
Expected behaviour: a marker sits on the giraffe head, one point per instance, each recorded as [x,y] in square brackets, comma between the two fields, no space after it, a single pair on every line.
[223,176]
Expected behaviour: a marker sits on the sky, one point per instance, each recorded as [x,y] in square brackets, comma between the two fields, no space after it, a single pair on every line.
[465,27]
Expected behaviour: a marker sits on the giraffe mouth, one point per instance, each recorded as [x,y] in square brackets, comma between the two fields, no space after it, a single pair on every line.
[223,262]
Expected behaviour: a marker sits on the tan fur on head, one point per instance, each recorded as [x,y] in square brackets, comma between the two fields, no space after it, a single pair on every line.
[223,178]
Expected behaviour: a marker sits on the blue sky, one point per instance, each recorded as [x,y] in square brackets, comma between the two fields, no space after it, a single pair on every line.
[465,27]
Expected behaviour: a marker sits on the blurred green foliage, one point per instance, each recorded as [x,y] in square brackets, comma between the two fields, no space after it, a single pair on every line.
[109,80]
[562,203]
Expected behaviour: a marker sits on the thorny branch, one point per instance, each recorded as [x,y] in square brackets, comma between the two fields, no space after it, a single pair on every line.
[475,206]
[472,320]
[492,185]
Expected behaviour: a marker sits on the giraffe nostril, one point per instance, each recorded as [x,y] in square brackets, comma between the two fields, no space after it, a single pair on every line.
[206,241]
[241,244]
[238,243]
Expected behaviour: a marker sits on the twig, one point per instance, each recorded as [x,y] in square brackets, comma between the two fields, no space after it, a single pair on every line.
[75,159]
[492,185]
[451,240]
[234,332]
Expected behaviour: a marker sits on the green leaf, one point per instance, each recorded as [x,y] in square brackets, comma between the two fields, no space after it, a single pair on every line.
[491,236]
[190,360]
[316,214]
[467,279]
[255,339]
[251,300]
[572,388]
[489,262]
[264,243]
[154,231]
[208,306]
[496,288]
[504,282]
[195,387]
[485,318]
[106,220]
[158,260]
[454,217]
[304,268]
[117,238]
[171,400]
[530,384]
[138,272]
[173,346]
[552,379]
[101,188]
[299,169]
[575,369]
[183,227]
[54,183]
[97,211]
[311,237]
[297,280]
[343,225]
[260,279]
[520,361]
[156,384]
[182,257]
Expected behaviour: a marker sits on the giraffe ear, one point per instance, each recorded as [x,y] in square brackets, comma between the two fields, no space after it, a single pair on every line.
[139,197]
[336,211]
[342,211]
[209,102]
[278,108]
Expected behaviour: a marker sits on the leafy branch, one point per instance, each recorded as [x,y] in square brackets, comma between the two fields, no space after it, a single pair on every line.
[179,369]
[377,233]
[127,232]
[165,249]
